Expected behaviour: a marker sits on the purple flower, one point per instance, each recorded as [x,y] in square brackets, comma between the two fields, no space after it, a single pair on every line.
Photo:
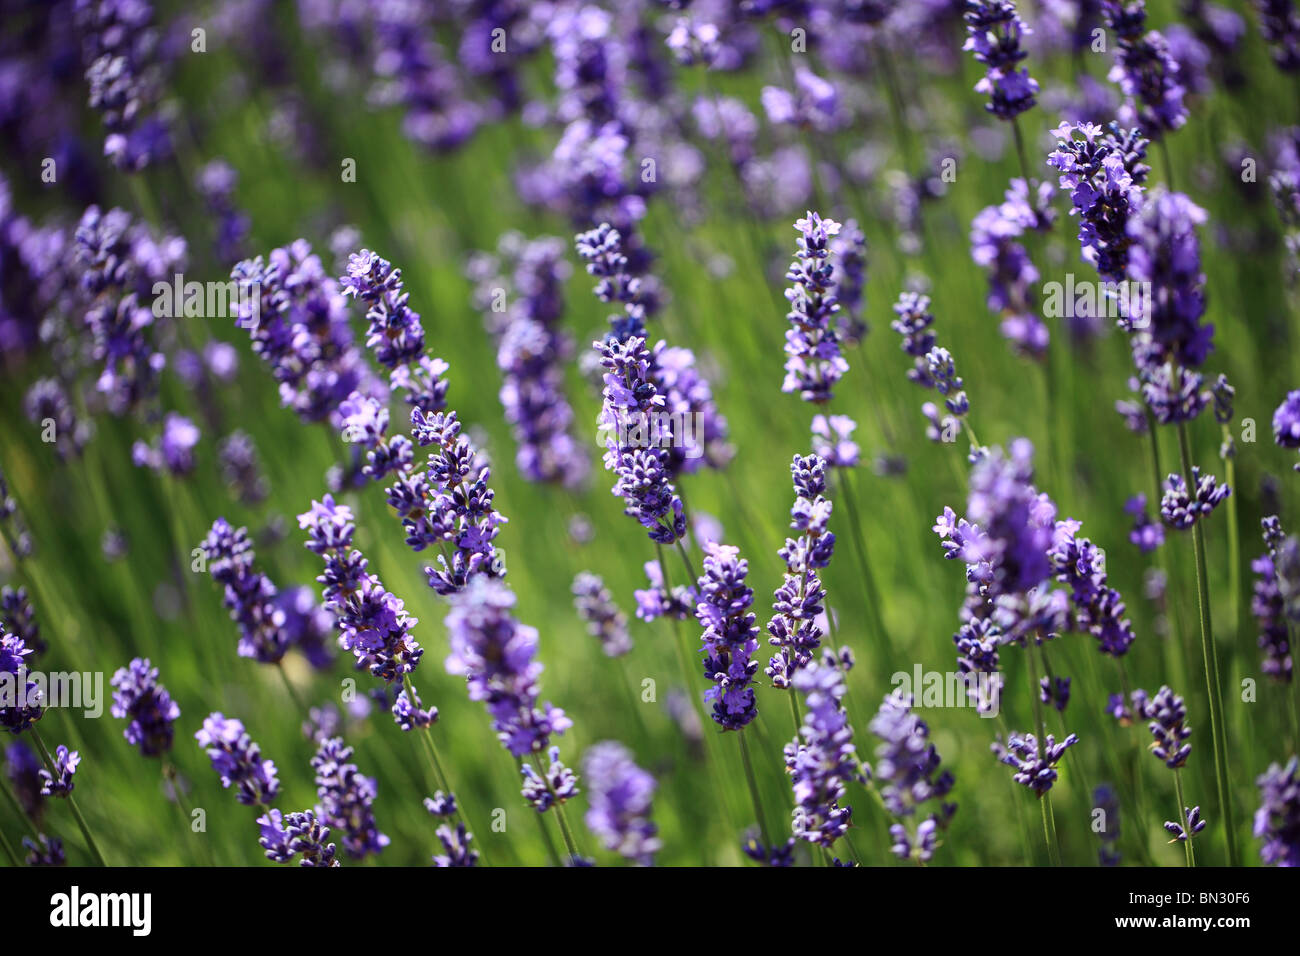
[346,799]
[1180,510]
[47,852]
[298,321]
[832,440]
[395,334]
[994,30]
[907,775]
[849,251]
[1099,609]
[1011,272]
[1035,765]
[557,783]
[59,783]
[249,594]
[139,698]
[1191,825]
[496,654]
[175,448]
[812,343]
[47,406]
[620,795]
[932,367]
[23,770]
[1279,23]
[730,637]
[1168,716]
[1145,71]
[822,758]
[1277,821]
[1286,421]
[372,622]
[1106,800]
[456,847]
[605,620]
[1146,534]
[22,710]
[240,468]
[283,838]
[1104,174]
[19,619]
[797,603]
[409,714]
[238,761]
[657,601]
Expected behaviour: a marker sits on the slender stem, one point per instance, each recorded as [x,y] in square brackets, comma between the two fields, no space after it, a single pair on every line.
[1210,658]
[868,579]
[1181,819]
[565,832]
[692,577]
[17,807]
[1049,824]
[753,787]
[1169,165]
[1234,536]
[9,850]
[72,802]
[293,691]
[794,711]
[171,775]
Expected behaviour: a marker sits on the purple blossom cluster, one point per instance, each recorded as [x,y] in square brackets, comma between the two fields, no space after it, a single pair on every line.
[395,335]
[932,366]
[1277,821]
[238,761]
[907,775]
[994,30]
[58,782]
[298,321]
[822,759]
[1180,510]
[730,637]
[249,594]
[531,353]
[121,52]
[1035,763]
[797,603]
[1145,71]
[1279,23]
[1104,174]
[1098,609]
[346,799]
[605,620]
[145,703]
[496,655]
[19,711]
[814,362]
[19,618]
[372,622]
[298,834]
[659,600]
[1011,272]
[621,795]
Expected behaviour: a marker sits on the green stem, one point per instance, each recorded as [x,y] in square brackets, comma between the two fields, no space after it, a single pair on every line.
[1181,819]
[9,850]
[753,787]
[72,802]
[17,807]
[293,691]
[1210,658]
[1049,821]
[868,579]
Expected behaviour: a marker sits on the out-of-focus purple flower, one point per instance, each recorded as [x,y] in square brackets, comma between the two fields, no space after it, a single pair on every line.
[813,104]
[1279,22]
[1145,71]
[1011,272]
[994,30]
[140,699]
[1277,821]
[456,847]
[932,367]
[621,796]
[216,182]
[849,252]
[907,775]
[812,343]
[1286,421]
[175,449]
[44,851]
[496,654]
[238,760]
[22,768]
[797,603]
[605,620]
[59,783]
[249,595]
[298,321]
[1106,800]
[658,601]
[1146,534]
[346,798]
[832,440]
[241,469]
[47,406]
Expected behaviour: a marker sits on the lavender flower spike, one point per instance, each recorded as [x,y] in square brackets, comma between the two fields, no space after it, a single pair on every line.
[238,760]
[1145,70]
[994,30]
[906,774]
[605,620]
[139,698]
[812,343]
[822,759]
[346,799]
[730,637]
[621,794]
[1277,821]
[395,335]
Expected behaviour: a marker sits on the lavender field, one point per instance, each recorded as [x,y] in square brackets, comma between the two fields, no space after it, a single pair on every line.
[649,432]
